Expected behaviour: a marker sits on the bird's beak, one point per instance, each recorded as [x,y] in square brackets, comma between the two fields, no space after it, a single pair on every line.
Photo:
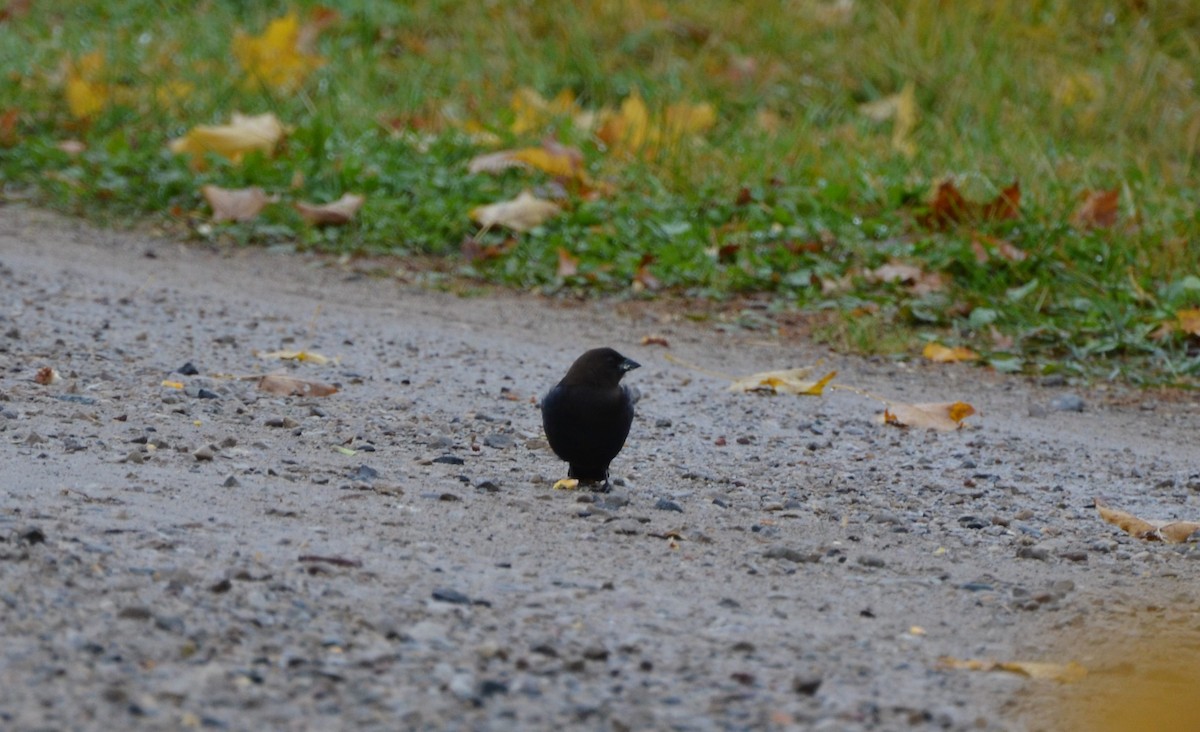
[629,365]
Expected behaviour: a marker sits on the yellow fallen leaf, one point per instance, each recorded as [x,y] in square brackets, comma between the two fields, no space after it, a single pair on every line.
[632,128]
[901,108]
[277,58]
[785,381]
[938,353]
[943,416]
[566,484]
[244,134]
[553,158]
[292,386]
[1172,532]
[335,213]
[87,94]
[173,384]
[243,204]
[522,213]
[531,111]
[304,356]
[1188,321]
[1064,672]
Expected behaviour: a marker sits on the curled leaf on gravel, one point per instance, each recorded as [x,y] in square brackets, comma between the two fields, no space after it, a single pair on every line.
[281,385]
[941,416]
[938,353]
[334,213]
[241,204]
[566,484]
[1064,672]
[1171,532]
[520,214]
[654,339]
[785,381]
[47,376]
[305,356]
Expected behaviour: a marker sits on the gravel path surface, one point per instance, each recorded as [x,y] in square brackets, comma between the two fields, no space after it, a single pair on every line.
[393,556]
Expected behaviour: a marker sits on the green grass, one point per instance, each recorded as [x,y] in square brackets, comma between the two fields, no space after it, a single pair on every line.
[1064,96]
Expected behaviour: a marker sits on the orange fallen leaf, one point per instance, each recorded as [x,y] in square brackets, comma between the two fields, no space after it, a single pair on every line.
[942,416]
[938,353]
[292,386]
[243,204]
[643,278]
[334,213]
[1098,210]
[568,264]
[1172,532]
[656,340]
[522,213]
[1064,672]
[785,381]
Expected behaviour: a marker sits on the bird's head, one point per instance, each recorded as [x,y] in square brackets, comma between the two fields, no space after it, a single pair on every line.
[599,367]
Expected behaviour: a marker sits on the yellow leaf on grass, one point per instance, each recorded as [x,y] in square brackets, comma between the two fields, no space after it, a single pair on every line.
[785,381]
[632,128]
[532,111]
[1172,532]
[335,213]
[553,158]
[243,204]
[278,58]
[291,386]
[522,213]
[942,416]
[87,94]
[1188,321]
[938,353]
[244,134]
[901,108]
[304,356]
[1064,672]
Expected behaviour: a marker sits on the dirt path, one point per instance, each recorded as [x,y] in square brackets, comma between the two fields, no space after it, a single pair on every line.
[392,557]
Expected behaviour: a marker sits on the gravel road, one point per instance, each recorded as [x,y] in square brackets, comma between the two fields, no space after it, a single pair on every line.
[393,556]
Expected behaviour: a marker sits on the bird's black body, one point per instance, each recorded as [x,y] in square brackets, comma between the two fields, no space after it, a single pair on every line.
[587,415]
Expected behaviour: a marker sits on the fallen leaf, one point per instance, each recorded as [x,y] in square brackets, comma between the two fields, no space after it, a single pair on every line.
[632,129]
[14,9]
[1098,210]
[87,93]
[656,340]
[522,213]
[942,416]
[643,278]
[984,246]
[1064,672]
[949,206]
[1172,532]
[334,213]
[1188,321]
[277,58]
[901,108]
[566,484]
[894,271]
[785,381]
[552,157]
[172,384]
[568,264]
[8,127]
[292,386]
[473,251]
[243,204]
[302,356]
[938,353]
[71,147]
[47,376]
[244,134]
[532,111]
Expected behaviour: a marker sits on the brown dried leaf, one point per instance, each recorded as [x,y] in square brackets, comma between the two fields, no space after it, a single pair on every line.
[949,206]
[334,213]
[242,204]
[1172,532]
[568,264]
[8,127]
[655,339]
[47,376]
[281,385]
[1098,210]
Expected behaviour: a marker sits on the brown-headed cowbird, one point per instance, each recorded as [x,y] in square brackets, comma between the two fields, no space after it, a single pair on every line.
[587,415]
